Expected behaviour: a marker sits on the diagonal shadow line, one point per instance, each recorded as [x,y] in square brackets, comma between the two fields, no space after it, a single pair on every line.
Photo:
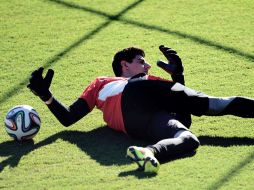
[160,29]
[231,173]
[53,60]
[58,56]
[97,12]
[62,53]
[78,7]
[226,142]
[195,39]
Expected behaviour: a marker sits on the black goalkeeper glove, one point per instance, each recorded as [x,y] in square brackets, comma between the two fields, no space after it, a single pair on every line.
[39,85]
[174,65]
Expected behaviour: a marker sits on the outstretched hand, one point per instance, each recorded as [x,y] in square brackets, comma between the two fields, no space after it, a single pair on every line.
[39,85]
[174,65]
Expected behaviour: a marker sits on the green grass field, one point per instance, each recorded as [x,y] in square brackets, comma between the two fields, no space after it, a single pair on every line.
[77,38]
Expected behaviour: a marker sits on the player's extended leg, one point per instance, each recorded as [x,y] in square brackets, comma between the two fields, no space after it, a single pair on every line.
[174,97]
[217,106]
[238,106]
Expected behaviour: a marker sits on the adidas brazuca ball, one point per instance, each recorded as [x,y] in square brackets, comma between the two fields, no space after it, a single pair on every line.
[22,122]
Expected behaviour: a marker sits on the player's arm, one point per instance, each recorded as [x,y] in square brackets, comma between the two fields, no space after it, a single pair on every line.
[66,115]
[174,66]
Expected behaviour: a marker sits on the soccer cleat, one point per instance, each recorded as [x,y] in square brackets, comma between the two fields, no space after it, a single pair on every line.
[144,158]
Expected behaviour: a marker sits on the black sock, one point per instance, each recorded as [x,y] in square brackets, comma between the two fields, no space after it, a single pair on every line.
[241,107]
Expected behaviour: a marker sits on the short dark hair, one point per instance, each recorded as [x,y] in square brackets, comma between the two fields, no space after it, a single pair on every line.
[127,54]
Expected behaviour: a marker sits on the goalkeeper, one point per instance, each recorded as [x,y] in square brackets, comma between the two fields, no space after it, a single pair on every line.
[144,106]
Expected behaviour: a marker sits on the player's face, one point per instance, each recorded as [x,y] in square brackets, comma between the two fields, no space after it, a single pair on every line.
[138,65]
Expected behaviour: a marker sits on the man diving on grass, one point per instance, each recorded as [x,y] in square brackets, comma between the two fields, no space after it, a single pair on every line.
[144,106]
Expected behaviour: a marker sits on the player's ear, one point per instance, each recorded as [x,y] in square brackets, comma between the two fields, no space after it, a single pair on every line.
[124,64]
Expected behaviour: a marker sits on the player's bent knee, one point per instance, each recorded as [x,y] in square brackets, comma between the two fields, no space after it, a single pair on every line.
[193,142]
[190,141]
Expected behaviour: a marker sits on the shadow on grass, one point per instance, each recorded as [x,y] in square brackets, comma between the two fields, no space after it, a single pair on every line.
[102,144]
[225,141]
[138,174]
[231,173]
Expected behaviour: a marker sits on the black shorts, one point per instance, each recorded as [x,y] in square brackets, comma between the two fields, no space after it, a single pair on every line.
[144,100]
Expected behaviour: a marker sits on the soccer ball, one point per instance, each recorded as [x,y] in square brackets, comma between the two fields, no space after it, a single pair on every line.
[22,122]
